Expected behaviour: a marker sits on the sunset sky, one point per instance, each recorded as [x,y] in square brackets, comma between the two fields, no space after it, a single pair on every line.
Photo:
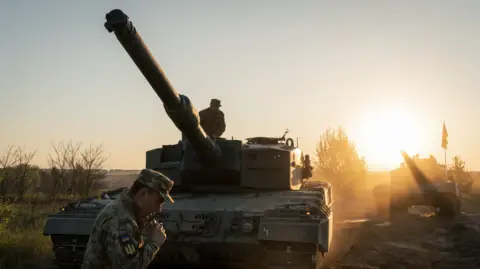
[390,72]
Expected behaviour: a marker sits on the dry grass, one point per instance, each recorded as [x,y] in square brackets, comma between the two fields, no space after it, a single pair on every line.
[21,228]
[22,243]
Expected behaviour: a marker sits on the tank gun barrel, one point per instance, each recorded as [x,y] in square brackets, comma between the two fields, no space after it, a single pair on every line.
[178,107]
[119,23]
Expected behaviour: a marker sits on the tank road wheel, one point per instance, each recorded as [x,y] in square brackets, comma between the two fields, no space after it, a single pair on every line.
[66,261]
[448,207]
[382,196]
[397,213]
[292,256]
[68,251]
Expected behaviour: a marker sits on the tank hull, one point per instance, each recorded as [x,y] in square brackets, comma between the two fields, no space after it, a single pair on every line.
[394,200]
[273,229]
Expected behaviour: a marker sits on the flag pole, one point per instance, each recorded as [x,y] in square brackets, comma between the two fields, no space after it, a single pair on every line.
[444,146]
[446,168]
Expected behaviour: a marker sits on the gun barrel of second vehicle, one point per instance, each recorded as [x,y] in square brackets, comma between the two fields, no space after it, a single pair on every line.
[178,107]
[420,178]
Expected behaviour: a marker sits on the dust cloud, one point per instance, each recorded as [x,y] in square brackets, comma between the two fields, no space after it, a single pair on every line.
[419,240]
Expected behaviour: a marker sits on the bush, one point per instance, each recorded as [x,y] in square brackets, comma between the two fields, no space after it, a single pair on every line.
[21,227]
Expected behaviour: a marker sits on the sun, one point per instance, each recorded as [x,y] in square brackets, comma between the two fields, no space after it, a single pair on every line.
[384,132]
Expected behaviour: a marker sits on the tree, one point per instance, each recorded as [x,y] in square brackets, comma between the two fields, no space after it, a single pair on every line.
[25,174]
[92,161]
[7,161]
[460,174]
[338,161]
[64,160]
[17,174]
[75,171]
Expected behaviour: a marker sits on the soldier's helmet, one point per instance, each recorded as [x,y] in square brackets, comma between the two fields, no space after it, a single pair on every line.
[215,103]
[157,182]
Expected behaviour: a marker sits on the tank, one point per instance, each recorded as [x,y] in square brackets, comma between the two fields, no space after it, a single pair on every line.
[418,181]
[242,203]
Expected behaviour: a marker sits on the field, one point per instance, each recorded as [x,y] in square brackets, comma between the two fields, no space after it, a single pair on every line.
[22,243]
[21,225]
[423,242]
[118,179]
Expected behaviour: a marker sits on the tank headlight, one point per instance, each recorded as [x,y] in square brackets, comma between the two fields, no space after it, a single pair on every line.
[247,226]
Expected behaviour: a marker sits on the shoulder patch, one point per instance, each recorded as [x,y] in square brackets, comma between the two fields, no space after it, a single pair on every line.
[128,245]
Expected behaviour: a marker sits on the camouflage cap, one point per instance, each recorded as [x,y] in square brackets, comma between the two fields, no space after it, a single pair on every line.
[215,102]
[158,182]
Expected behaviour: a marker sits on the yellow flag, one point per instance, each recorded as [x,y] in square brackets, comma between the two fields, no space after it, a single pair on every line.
[444,137]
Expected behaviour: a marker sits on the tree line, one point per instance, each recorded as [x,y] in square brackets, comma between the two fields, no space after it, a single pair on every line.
[73,170]
[77,170]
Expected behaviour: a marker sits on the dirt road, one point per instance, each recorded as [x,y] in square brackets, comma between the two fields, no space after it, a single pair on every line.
[419,241]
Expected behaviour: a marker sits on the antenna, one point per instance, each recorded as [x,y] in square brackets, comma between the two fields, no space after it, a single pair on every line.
[297,141]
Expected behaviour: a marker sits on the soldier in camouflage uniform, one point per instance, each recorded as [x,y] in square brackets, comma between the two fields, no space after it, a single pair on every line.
[212,119]
[116,240]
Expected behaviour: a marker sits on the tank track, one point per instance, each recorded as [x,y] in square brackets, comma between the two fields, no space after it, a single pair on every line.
[277,256]
[69,250]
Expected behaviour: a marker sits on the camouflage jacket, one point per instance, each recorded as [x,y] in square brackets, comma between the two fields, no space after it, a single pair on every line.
[116,239]
[213,122]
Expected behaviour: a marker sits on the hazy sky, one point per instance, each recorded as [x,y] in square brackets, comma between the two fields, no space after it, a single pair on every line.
[390,72]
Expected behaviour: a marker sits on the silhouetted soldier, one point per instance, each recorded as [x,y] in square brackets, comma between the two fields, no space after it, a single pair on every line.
[212,119]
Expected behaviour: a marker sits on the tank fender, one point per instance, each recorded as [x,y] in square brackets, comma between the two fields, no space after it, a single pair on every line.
[310,231]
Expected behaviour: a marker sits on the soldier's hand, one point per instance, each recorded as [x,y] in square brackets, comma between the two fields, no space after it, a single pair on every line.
[157,233]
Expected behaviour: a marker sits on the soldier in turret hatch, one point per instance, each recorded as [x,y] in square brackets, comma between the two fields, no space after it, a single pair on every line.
[212,119]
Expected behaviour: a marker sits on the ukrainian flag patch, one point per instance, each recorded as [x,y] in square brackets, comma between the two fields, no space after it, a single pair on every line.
[128,245]
[124,238]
